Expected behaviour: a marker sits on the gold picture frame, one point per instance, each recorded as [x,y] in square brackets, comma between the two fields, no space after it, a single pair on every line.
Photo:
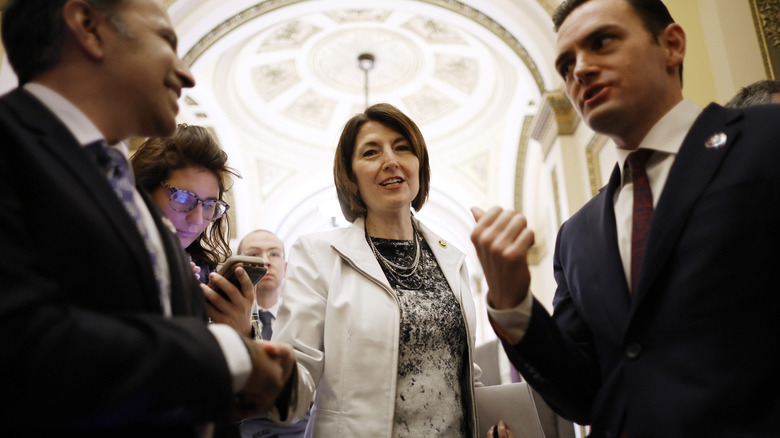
[766,17]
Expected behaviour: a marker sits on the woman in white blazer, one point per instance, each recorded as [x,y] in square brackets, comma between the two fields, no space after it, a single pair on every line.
[380,313]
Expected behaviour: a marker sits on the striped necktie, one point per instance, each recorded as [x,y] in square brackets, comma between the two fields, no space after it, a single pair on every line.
[117,169]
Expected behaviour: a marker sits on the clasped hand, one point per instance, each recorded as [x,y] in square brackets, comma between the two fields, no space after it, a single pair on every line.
[272,368]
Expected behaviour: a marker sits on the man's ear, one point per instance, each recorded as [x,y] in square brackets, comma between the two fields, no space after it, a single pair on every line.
[673,40]
[85,27]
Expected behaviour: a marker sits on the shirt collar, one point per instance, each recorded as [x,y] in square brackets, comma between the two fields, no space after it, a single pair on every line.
[76,121]
[73,118]
[669,133]
[274,309]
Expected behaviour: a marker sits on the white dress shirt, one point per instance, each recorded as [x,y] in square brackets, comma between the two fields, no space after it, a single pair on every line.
[665,138]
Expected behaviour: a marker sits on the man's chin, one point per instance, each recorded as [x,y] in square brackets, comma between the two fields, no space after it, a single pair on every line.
[599,119]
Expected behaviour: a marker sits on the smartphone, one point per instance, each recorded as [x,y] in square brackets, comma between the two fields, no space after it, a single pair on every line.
[254,266]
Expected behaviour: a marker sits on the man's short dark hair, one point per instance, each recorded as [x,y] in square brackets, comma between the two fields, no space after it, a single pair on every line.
[757,93]
[653,13]
[33,32]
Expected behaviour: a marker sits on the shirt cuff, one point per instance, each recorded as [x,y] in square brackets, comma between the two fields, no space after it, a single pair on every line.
[511,324]
[235,352]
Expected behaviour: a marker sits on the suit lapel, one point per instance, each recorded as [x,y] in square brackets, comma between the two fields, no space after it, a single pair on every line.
[691,173]
[58,141]
[353,247]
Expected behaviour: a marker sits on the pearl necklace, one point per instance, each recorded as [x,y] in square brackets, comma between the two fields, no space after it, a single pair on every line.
[394,267]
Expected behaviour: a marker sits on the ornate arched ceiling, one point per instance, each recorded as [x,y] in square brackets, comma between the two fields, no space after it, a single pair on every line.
[277,79]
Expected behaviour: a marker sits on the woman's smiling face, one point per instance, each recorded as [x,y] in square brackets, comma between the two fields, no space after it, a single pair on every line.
[386,169]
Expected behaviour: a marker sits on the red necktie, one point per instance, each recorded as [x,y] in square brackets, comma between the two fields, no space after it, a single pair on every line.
[643,211]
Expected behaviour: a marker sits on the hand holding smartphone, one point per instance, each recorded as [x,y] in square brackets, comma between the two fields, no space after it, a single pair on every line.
[254,267]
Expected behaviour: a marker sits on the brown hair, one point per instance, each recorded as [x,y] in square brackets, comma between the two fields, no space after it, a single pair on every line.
[189,146]
[352,204]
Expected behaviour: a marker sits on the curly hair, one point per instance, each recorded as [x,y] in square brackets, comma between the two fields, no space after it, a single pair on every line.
[189,146]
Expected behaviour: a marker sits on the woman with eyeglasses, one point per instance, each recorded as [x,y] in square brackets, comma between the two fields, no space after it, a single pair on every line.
[187,176]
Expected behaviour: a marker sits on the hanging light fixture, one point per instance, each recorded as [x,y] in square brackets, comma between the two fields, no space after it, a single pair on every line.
[366,63]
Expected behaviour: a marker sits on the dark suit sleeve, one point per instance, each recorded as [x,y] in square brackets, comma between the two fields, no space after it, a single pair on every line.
[82,340]
[556,354]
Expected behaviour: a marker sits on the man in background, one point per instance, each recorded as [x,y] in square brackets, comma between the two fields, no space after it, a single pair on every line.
[757,93]
[666,302]
[268,293]
[103,329]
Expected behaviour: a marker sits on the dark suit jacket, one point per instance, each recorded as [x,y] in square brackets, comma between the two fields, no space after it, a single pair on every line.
[83,343]
[695,351]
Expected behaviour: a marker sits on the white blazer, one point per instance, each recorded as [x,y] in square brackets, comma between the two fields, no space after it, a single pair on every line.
[342,318]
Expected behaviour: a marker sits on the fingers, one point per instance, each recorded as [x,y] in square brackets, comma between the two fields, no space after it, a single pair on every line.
[247,288]
[195,270]
[218,282]
[502,240]
[501,233]
[269,376]
[278,349]
[213,298]
[501,430]
[477,213]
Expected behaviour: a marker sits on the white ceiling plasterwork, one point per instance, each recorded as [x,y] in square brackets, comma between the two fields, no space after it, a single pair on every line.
[278,79]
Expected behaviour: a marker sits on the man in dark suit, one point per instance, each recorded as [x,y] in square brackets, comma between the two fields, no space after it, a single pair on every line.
[103,327]
[665,317]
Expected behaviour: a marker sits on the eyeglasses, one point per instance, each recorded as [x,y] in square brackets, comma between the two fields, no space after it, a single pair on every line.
[184,201]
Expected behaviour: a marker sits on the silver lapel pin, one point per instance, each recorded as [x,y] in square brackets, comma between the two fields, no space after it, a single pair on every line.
[717,141]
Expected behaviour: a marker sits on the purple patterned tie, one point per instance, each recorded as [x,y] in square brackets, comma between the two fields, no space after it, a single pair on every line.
[643,211]
[117,169]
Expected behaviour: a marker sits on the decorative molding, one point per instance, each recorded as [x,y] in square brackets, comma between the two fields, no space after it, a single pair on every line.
[501,32]
[565,114]
[311,108]
[231,24]
[555,111]
[263,7]
[356,15]
[271,80]
[592,151]
[428,104]
[548,5]
[460,72]
[522,150]
[766,18]
[434,32]
[542,127]
[556,197]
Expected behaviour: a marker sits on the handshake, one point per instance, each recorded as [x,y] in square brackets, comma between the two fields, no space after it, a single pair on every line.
[272,367]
